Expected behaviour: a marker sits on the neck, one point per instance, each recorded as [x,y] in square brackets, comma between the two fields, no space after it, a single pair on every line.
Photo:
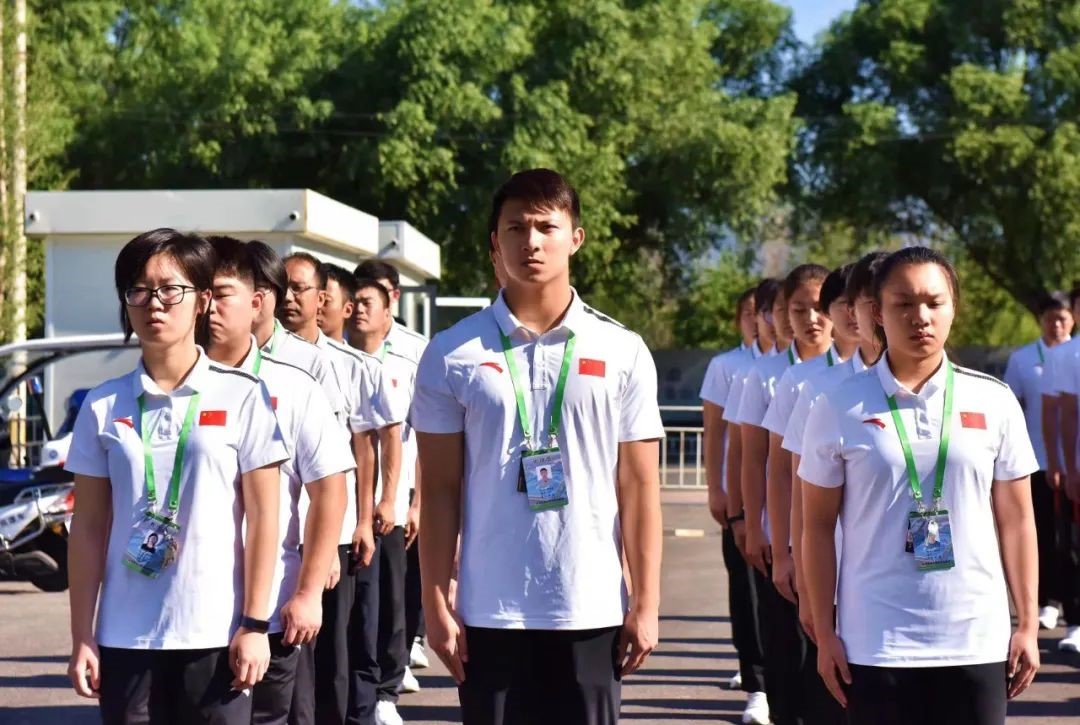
[783,343]
[809,352]
[307,330]
[230,352]
[870,352]
[263,332]
[914,372]
[169,365]
[389,326]
[539,308]
[337,335]
[845,348]
[1049,341]
[748,340]
[372,342]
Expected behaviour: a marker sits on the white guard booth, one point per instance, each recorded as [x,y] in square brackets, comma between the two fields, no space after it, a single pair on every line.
[84,230]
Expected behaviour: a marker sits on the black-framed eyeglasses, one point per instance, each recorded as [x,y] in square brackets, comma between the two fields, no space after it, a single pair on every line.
[299,289]
[169,294]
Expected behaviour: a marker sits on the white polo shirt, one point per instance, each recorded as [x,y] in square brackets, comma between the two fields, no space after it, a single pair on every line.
[820,382]
[740,370]
[789,385]
[719,377]
[295,350]
[400,374]
[317,449]
[760,386]
[1024,373]
[195,603]
[889,613]
[405,342]
[555,569]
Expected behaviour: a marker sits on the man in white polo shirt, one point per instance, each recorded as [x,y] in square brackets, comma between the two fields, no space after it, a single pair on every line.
[540,630]
[319,456]
[370,418]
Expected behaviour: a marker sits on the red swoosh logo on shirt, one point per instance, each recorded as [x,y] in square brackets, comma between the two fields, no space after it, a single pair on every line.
[492,365]
[876,421]
[125,421]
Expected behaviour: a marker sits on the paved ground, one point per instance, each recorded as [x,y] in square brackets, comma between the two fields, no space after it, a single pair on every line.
[679,685]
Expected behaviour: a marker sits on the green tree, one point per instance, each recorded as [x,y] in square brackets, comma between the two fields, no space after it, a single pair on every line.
[952,119]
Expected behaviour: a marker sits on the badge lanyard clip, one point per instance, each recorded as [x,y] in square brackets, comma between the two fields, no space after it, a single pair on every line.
[560,391]
[943,446]
[178,461]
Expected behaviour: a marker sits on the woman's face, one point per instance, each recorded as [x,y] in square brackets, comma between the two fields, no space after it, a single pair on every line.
[845,329]
[864,319]
[781,323]
[160,324]
[808,322]
[916,309]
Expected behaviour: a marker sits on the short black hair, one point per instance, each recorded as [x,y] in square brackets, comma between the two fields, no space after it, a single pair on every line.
[320,275]
[192,253]
[269,271]
[538,189]
[861,280]
[378,269]
[803,274]
[345,279]
[916,255]
[233,258]
[363,283]
[765,294]
[835,286]
[1052,302]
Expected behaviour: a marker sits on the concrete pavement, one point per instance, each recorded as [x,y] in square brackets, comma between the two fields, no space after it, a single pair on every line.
[680,684]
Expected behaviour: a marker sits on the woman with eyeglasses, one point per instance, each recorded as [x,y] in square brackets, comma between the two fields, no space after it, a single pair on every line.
[184,452]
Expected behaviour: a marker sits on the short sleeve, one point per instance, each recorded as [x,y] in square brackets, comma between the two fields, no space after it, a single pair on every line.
[734,401]
[322,448]
[87,456]
[1048,382]
[714,388]
[822,462]
[261,443]
[435,408]
[779,410]
[1016,456]
[1070,375]
[754,403]
[796,424]
[1012,375]
[639,412]
[323,372]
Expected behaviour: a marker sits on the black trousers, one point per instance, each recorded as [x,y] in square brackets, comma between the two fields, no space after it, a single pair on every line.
[364,644]
[271,699]
[541,677]
[785,652]
[1067,541]
[1042,501]
[321,692]
[393,646]
[745,623]
[969,694]
[170,687]
[414,609]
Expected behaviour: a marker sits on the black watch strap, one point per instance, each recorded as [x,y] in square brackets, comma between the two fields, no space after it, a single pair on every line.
[255,625]
[741,516]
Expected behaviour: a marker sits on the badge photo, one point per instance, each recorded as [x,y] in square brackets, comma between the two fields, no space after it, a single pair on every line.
[153,546]
[545,480]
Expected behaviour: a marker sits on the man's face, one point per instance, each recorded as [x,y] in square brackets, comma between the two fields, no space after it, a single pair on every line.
[535,245]
[544,475]
[236,306]
[302,296]
[1056,325]
[335,310]
[371,314]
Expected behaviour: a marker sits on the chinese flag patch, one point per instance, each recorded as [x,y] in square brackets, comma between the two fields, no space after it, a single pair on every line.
[273,404]
[973,420]
[592,367]
[212,417]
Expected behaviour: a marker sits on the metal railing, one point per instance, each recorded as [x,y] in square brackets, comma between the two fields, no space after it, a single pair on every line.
[682,463]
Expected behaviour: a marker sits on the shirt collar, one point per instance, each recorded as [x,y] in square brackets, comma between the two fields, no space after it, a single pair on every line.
[892,386]
[755,350]
[194,382]
[509,324]
[272,342]
[248,363]
[857,363]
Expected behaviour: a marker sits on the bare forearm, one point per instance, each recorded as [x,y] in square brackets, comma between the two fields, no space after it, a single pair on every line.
[753,475]
[416,489]
[642,528]
[322,532]
[714,446]
[440,524]
[364,452]
[796,519]
[1050,431]
[779,496]
[260,547]
[1019,552]
[390,460]
[819,565]
[86,568]
[734,471]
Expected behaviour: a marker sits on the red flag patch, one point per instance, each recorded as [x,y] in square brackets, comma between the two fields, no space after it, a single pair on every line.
[973,420]
[592,367]
[273,404]
[125,421]
[212,417]
[876,421]
[493,365]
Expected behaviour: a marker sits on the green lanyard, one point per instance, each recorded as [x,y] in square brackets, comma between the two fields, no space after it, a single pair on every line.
[257,365]
[943,444]
[828,358]
[382,352]
[791,353]
[275,338]
[178,461]
[1042,357]
[560,389]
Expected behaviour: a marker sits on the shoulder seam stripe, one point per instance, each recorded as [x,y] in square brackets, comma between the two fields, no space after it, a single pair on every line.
[234,371]
[345,349]
[984,376]
[604,318]
[274,360]
[307,342]
[403,357]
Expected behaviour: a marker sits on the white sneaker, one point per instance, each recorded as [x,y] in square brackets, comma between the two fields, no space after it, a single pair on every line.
[1048,617]
[757,709]
[735,682]
[1071,641]
[386,713]
[409,683]
[417,656]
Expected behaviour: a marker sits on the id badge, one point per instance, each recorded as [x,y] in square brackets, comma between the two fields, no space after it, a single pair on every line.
[153,546]
[931,536]
[545,480]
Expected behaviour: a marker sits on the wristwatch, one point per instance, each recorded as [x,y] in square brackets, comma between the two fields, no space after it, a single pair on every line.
[741,516]
[255,625]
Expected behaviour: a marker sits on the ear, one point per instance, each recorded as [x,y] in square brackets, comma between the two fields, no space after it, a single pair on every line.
[877,314]
[206,299]
[577,241]
[257,301]
[348,308]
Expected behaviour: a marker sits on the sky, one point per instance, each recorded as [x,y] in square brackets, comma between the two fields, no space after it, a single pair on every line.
[813,16]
